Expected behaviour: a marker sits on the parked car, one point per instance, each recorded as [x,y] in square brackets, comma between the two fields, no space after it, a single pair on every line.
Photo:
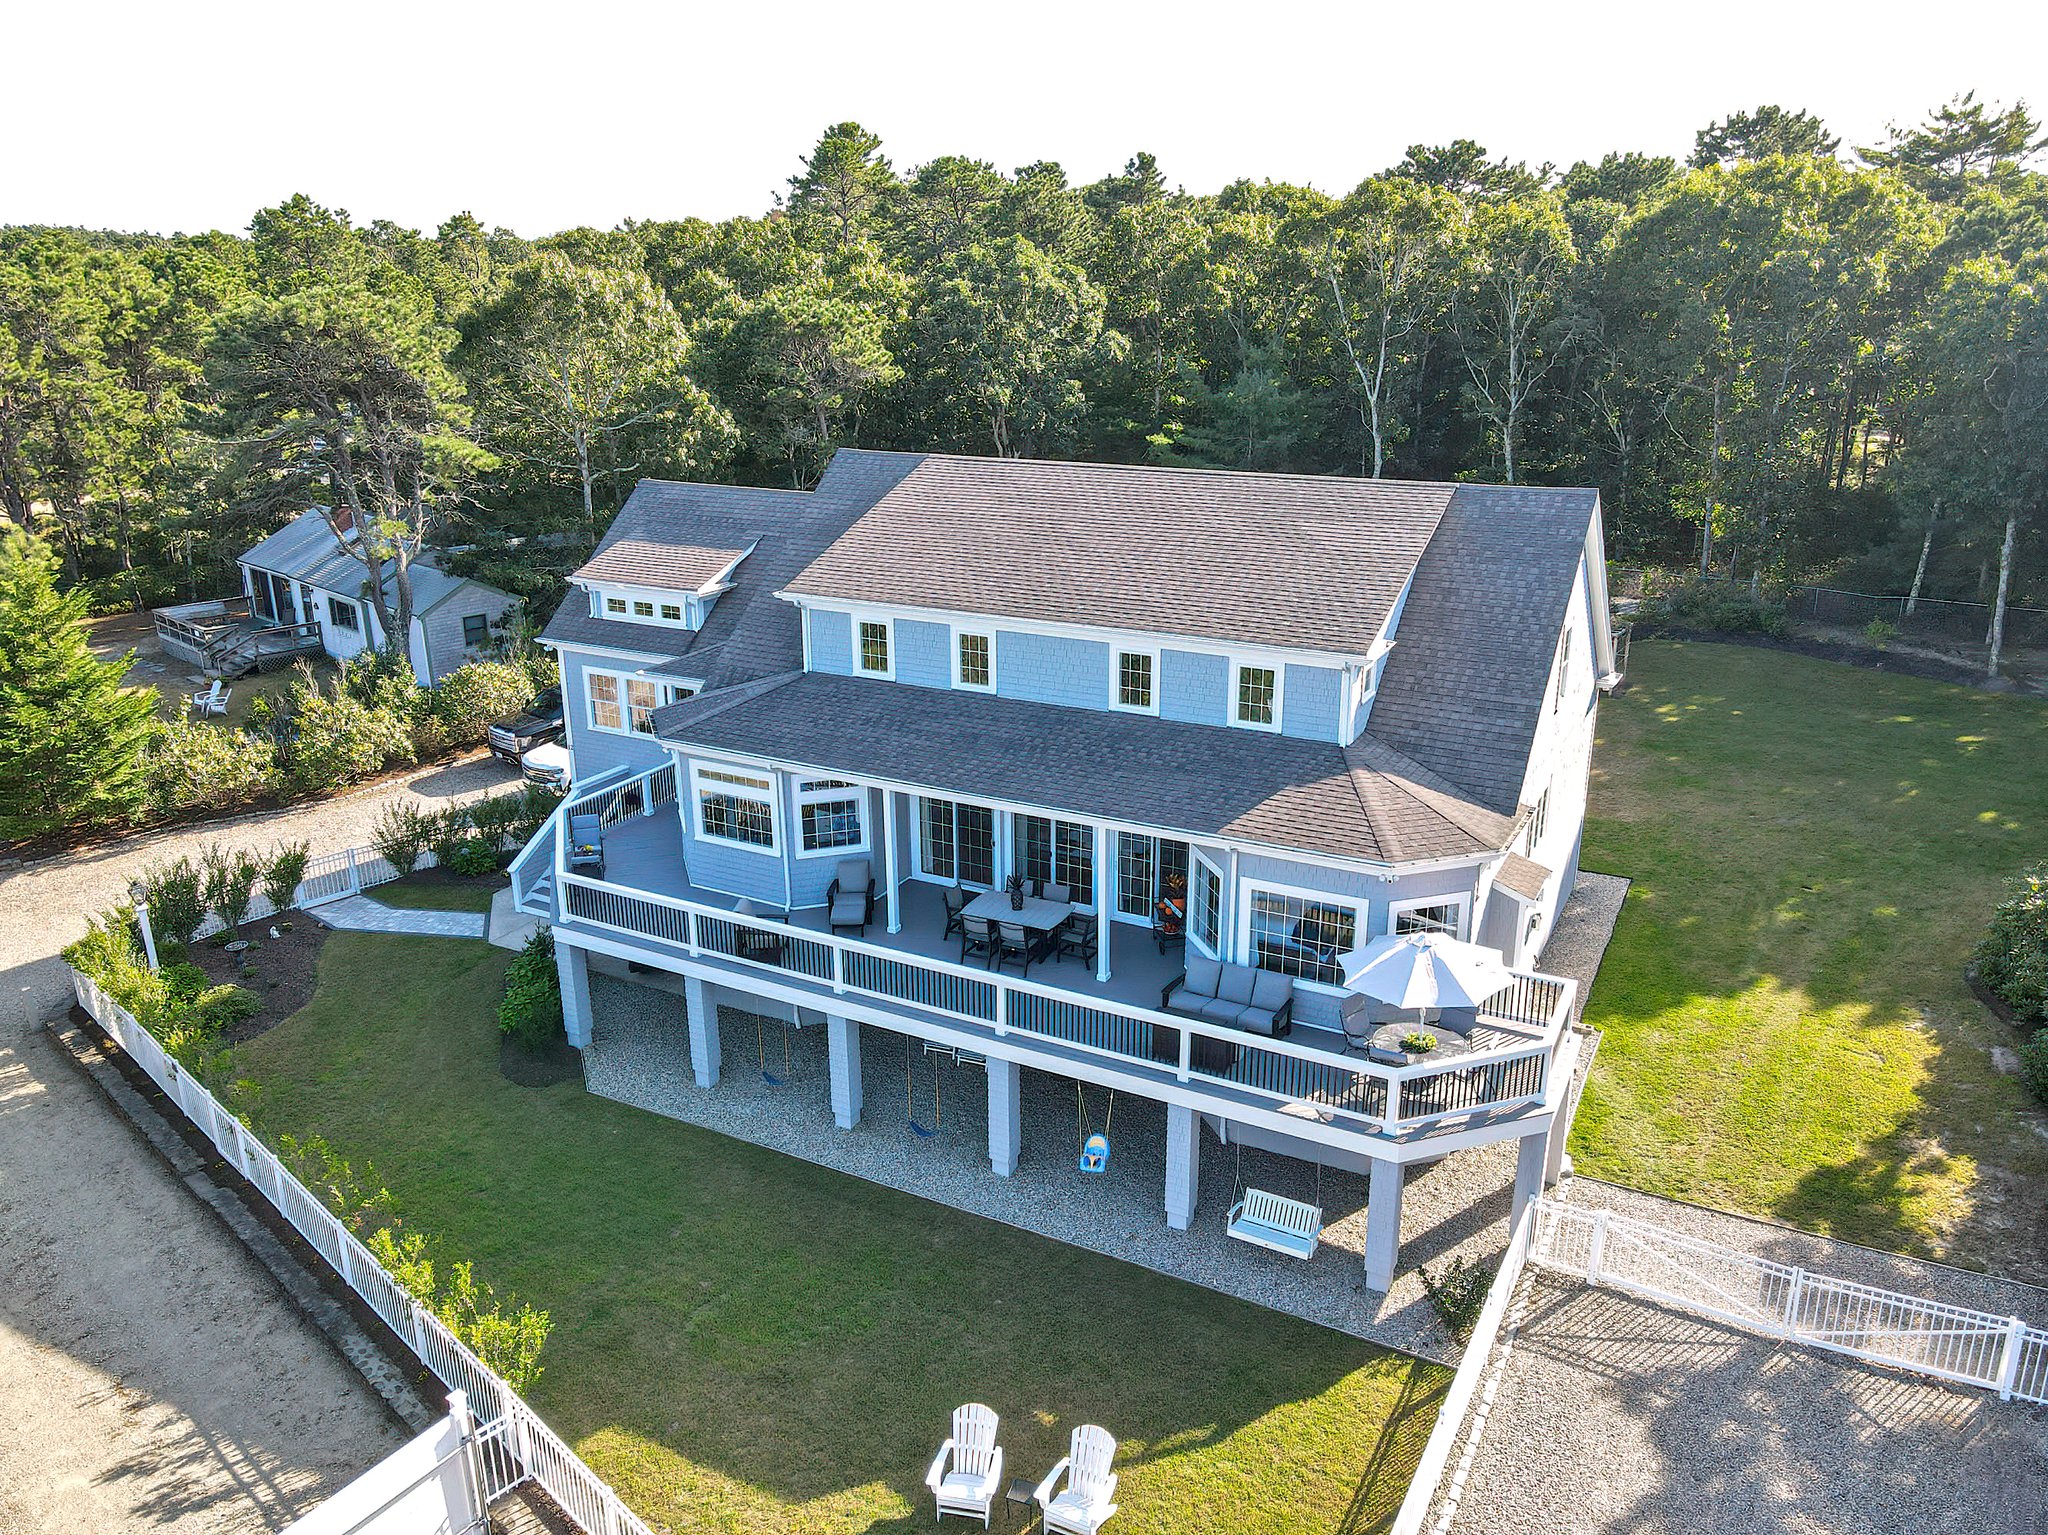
[547,763]
[539,725]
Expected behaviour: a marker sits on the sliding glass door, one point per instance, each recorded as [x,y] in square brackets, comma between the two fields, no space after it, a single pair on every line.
[956,842]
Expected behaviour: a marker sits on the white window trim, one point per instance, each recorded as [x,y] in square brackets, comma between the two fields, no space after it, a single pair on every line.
[889,629]
[954,637]
[917,840]
[1238,666]
[1248,888]
[1197,856]
[625,724]
[852,791]
[691,605]
[769,796]
[1116,669]
[1462,902]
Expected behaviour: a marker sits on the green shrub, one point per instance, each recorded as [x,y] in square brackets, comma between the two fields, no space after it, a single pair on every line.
[398,836]
[339,739]
[183,982]
[496,816]
[231,879]
[110,953]
[1459,1294]
[474,859]
[1715,606]
[446,832]
[1880,631]
[531,1010]
[2012,956]
[219,1007]
[284,872]
[2034,1063]
[536,803]
[470,697]
[175,891]
[509,1341]
[195,766]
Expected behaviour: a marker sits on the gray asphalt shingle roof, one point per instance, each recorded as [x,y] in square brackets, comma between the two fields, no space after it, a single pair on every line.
[749,631]
[1301,561]
[1360,802]
[1465,685]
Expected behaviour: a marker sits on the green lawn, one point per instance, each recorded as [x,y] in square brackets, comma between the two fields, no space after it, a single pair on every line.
[1815,849]
[434,895]
[748,1343]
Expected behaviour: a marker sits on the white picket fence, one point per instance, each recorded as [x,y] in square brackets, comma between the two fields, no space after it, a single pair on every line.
[519,1445]
[1952,1343]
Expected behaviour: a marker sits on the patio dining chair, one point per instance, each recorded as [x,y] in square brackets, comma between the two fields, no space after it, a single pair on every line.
[1013,943]
[955,900]
[1078,937]
[977,936]
[1061,895]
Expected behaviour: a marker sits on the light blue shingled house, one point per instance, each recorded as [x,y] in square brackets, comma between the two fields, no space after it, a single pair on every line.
[1222,727]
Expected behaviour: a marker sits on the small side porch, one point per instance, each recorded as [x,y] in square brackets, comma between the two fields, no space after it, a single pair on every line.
[224,638]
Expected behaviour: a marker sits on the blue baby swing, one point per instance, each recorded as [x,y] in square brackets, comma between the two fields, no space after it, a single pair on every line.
[1094,1145]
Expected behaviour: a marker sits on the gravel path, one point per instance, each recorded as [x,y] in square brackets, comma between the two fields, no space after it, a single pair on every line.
[152,1376]
[1617,1416]
[360,914]
[47,902]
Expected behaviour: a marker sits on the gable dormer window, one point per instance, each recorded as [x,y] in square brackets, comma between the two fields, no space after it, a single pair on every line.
[1257,702]
[974,665]
[872,650]
[1137,682]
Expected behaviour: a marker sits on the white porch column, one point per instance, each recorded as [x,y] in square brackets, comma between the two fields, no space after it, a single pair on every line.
[1560,1132]
[1183,1164]
[573,966]
[1531,1153]
[889,870]
[842,1041]
[1105,892]
[1005,1117]
[704,1053]
[1383,1225]
[1003,858]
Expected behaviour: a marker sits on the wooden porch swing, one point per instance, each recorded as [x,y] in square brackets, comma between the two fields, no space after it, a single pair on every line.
[1273,1221]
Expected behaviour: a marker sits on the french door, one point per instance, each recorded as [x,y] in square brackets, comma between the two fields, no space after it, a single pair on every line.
[956,841]
[1151,872]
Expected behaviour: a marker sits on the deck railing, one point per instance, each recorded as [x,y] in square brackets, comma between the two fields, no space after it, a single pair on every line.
[1359,1095]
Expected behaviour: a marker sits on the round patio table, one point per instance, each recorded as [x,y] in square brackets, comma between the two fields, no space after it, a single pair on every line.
[1449,1046]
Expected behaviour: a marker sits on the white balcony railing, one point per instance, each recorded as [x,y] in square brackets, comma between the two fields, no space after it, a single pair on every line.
[1276,1074]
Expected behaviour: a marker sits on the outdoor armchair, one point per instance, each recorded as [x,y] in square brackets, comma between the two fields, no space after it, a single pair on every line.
[850,899]
[966,1476]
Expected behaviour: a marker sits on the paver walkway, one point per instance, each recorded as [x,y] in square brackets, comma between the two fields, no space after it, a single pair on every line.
[360,914]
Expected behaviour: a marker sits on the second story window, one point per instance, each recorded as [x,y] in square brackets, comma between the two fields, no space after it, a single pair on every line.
[873,649]
[616,605]
[1258,697]
[1136,681]
[622,703]
[975,662]
[643,609]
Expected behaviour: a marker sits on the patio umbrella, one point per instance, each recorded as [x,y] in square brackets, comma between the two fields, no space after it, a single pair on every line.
[1424,970]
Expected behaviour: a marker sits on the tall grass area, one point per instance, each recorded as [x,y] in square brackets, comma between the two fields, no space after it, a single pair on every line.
[743,1342]
[1814,850]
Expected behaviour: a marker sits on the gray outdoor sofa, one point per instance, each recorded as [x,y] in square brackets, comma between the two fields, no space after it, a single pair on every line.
[1241,996]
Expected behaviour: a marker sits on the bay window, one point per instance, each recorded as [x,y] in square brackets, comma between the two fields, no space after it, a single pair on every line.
[733,806]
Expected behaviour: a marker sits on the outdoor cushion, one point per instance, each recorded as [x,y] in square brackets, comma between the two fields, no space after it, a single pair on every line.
[850,903]
[1458,1020]
[1257,1020]
[1221,1011]
[1271,990]
[1202,973]
[1236,984]
[853,875]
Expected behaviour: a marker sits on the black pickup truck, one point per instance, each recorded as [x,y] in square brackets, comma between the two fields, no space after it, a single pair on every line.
[511,739]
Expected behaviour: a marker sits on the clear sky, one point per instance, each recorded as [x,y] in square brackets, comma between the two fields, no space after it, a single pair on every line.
[540,117]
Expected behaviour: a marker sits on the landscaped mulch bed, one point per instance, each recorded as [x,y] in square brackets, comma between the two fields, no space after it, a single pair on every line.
[286,967]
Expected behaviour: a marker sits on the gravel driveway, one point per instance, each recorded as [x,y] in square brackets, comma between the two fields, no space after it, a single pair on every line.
[152,1376]
[47,902]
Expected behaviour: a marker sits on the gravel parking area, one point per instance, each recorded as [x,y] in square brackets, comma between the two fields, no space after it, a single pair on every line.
[1617,1416]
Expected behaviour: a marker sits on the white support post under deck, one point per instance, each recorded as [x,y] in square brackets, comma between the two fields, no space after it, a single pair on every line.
[1183,1164]
[842,1042]
[1105,885]
[889,869]
[1004,1115]
[572,965]
[1383,1225]
[704,1052]
[1531,1153]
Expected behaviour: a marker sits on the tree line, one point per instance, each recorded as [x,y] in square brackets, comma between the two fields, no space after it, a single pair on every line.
[1777,360]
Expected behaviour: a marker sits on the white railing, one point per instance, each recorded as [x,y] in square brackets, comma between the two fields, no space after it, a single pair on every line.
[525,1446]
[1780,1300]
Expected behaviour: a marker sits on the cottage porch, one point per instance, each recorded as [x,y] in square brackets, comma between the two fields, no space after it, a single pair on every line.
[224,638]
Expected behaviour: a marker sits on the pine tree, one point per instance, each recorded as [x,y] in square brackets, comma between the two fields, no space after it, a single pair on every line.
[71,738]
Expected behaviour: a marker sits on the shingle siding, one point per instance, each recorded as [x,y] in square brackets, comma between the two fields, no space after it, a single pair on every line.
[831,642]
[1311,702]
[921,653]
[1050,669]
[442,628]
[1194,688]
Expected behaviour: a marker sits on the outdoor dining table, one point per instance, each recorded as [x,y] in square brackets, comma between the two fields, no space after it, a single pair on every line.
[1036,916]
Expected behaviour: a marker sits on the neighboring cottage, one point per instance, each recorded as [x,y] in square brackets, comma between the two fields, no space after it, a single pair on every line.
[1224,727]
[303,593]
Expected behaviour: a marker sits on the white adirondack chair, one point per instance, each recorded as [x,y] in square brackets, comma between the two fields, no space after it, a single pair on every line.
[966,1476]
[1083,1507]
[213,701]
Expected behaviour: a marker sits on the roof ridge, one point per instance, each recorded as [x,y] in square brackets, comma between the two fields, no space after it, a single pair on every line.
[1213,473]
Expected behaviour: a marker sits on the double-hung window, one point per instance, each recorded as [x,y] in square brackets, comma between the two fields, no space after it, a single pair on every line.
[733,806]
[1300,935]
[342,614]
[974,662]
[1257,700]
[622,703]
[615,606]
[1136,685]
[829,816]
[1437,914]
[872,651]
[476,630]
